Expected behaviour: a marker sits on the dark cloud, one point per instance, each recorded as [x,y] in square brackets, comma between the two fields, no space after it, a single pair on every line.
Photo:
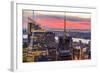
[70,18]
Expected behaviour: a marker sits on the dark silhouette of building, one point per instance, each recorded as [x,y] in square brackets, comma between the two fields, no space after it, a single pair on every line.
[64,48]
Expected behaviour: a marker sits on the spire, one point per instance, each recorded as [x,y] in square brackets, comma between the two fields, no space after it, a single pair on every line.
[65,25]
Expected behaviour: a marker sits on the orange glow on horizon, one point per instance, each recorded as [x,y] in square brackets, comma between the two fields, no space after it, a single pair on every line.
[59,23]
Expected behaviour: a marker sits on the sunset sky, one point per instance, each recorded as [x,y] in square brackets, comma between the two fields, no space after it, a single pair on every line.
[50,20]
